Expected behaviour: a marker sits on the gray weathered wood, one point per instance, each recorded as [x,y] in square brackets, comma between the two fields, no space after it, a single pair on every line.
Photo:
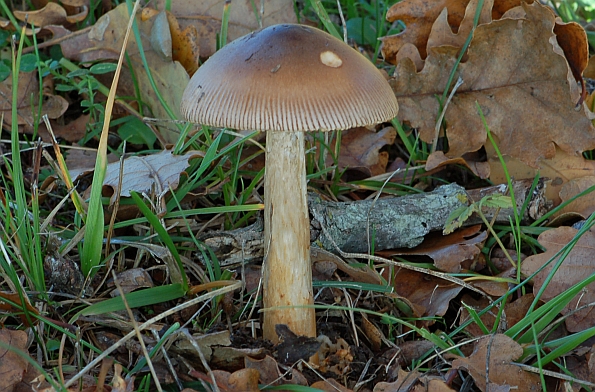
[392,222]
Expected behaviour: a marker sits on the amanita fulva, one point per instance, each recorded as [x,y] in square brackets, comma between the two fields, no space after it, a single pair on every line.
[286,80]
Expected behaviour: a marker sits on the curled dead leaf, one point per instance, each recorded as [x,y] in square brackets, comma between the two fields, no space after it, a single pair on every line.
[28,104]
[52,13]
[494,354]
[518,75]
[576,267]
[205,17]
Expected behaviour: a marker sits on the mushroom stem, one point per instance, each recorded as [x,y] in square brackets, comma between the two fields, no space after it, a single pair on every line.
[287,275]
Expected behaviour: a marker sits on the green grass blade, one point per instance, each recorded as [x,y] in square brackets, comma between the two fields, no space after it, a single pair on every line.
[325,19]
[176,271]
[564,345]
[145,297]
[91,257]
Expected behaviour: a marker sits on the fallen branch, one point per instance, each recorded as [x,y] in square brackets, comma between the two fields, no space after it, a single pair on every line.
[390,222]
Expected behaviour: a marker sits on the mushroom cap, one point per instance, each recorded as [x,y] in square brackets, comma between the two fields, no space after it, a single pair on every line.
[288,77]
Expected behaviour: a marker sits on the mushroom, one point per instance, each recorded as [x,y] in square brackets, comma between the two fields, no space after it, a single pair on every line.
[286,80]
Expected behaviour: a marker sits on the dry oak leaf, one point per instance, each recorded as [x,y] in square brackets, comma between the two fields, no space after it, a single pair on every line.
[576,267]
[270,374]
[494,354]
[518,75]
[140,174]
[514,311]
[430,295]
[451,251]
[103,41]
[437,159]
[330,385]
[585,205]
[414,382]
[171,42]
[12,364]
[27,103]
[50,13]
[244,380]
[419,17]
[360,150]
[205,16]
[560,169]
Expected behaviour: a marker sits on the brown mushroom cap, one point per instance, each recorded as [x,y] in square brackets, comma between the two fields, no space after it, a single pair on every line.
[288,78]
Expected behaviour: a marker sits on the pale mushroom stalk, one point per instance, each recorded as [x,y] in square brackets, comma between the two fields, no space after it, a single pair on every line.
[287,276]
[287,80]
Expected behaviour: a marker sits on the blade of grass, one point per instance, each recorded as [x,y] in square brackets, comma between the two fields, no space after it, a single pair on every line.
[224,24]
[324,18]
[145,297]
[91,257]
[108,351]
[177,271]
[147,68]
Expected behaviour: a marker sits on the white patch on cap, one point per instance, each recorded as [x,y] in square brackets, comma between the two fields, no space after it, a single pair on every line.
[330,59]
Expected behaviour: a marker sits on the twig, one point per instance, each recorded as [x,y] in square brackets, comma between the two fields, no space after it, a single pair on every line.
[440,275]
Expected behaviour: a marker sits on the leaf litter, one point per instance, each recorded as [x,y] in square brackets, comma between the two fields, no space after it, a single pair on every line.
[518,53]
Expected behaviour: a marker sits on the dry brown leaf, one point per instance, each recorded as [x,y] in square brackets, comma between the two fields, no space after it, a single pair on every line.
[27,103]
[517,309]
[513,312]
[267,367]
[206,342]
[560,169]
[575,268]
[130,280]
[293,348]
[426,292]
[103,41]
[50,14]
[363,274]
[572,38]
[438,159]
[372,332]
[12,364]
[478,305]
[419,17]
[330,385]
[590,70]
[80,161]
[584,205]
[405,382]
[442,33]
[451,251]
[6,301]
[72,132]
[245,380]
[492,288]
[494,354]
[517,73]
[168,40]
[205,16]
[432,384]
[270,374]
[185,46]
[360,150]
